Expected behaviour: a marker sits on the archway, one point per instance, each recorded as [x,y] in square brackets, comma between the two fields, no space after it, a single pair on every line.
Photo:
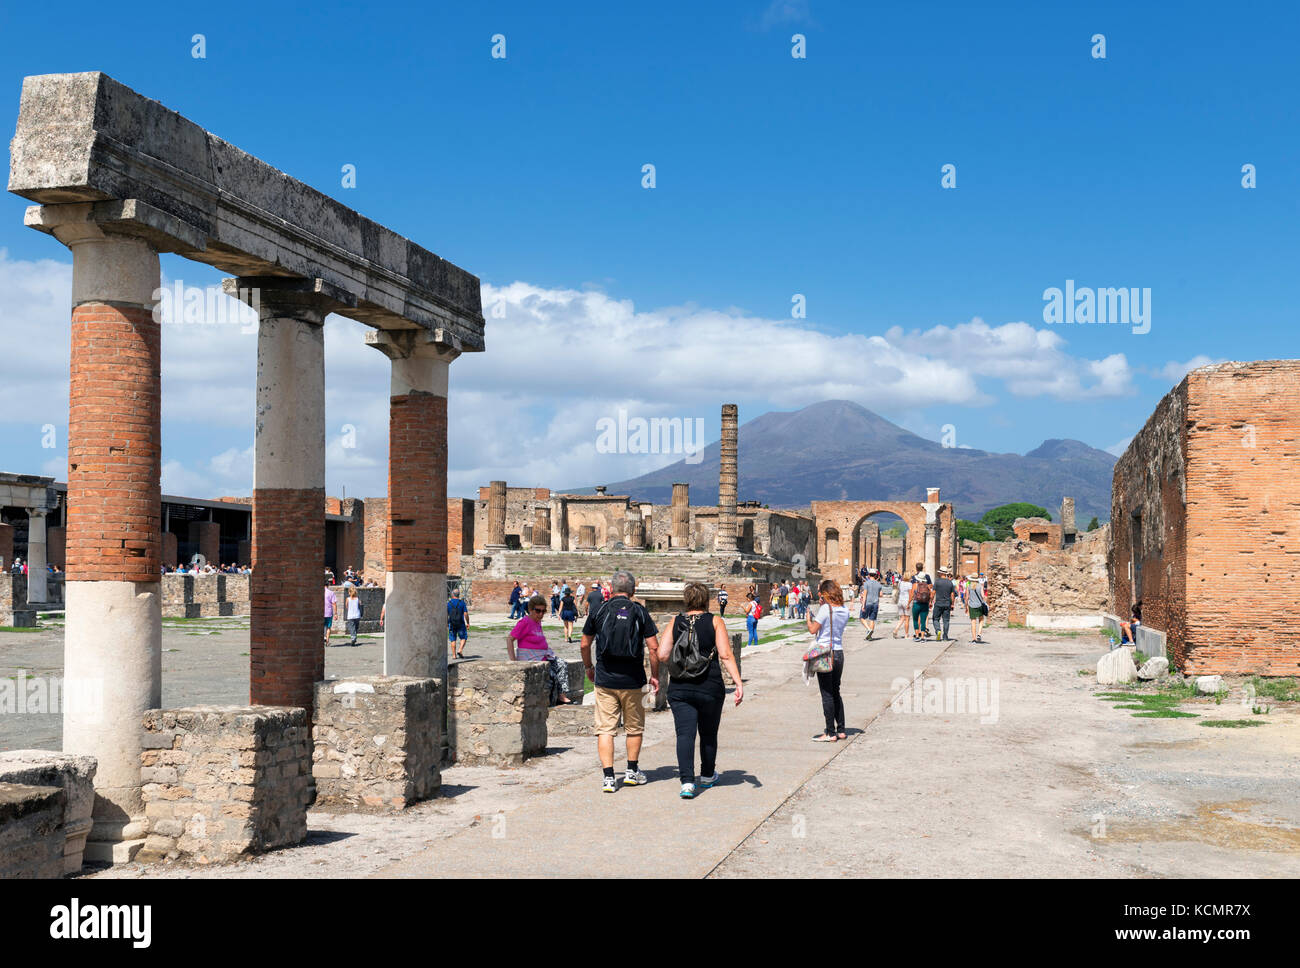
[840,520]
[880,541]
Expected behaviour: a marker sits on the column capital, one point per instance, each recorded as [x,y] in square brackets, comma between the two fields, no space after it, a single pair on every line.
[308,300]
[75,222]
[406,344]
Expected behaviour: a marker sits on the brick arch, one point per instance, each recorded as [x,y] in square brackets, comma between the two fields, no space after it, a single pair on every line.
[846,516]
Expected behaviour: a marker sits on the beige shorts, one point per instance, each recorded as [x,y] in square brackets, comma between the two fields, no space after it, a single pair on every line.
[611,702]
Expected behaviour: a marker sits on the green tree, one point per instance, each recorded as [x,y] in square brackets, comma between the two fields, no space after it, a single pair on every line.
[895,532]
[1094,524]
[972,531]
[999,519]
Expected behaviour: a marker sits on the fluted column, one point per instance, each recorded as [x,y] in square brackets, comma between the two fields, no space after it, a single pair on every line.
[680,535]
[496,538]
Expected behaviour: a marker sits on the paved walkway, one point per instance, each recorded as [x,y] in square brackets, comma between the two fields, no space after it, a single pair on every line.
[765,756]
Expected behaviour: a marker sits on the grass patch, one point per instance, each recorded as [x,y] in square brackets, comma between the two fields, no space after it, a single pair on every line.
[1232,723]
[1165,714]
[587,685]
[1150,705]
[20,628]
[1139,658]
[1282,690]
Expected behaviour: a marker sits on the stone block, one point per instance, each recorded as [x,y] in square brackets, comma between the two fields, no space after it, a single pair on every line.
[75,775]
[1209,685]
[32,836]
[250,763]
[496,712]
[1154,668]
[378,741]
[1116,667]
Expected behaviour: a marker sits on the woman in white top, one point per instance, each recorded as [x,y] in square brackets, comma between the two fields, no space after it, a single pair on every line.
[828,626]
[352,615]
[904,607]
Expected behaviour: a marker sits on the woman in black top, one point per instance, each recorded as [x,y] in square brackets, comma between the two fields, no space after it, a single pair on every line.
[697,703]
[568,613]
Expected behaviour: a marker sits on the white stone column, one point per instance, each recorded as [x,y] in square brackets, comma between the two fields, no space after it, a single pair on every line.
[415,599]
[37,560]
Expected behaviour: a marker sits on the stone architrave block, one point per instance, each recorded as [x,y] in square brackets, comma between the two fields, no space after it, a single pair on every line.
[1116,667]
[1154,668]
[496,712]
[222,781]
[377,741]
[31,831]
[75,774]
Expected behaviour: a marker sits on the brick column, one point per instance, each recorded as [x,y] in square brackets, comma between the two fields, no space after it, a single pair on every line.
[286,642]
[496,516]
[725,541]
[37,560]
[415,601]
[113,635]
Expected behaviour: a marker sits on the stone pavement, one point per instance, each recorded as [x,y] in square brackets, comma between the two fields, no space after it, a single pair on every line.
[765,755]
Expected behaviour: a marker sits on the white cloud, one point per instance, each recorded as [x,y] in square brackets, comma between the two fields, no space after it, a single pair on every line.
[785,12]
[1118,449]
[559,360]
[1173,371]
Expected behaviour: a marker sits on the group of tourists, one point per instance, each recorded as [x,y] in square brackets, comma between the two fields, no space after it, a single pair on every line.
[922,601]
[352,610]
[207,568]
[19,567]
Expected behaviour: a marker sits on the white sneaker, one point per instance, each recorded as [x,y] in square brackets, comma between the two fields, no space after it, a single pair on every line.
[708,781]
[688,791]
[634,778]
[607,785]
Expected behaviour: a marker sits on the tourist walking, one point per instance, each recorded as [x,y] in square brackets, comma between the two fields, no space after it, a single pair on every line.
[827,627]
[457,624]
[581,594]
[352,614]
[595,598]
[331,605]
[515,607]
[555,599]
[722,601]
[568,612]
[922,593]
[751,618]
[944,594]
[869,602]
[527,643]
[904,600]
[622,630]
[696,699]
[976,604]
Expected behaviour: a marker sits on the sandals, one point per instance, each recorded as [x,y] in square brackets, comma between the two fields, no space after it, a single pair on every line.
[825,738]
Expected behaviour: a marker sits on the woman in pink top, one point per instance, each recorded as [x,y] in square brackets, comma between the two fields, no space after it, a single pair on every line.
[527,643]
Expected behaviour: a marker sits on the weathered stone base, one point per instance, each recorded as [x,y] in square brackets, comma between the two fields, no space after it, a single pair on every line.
[377,741]
[496,712]
[31,831]
[75,775]
[220,781]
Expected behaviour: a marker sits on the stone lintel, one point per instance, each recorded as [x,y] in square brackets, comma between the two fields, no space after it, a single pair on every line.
[79,221]
[310,300]
[86,138]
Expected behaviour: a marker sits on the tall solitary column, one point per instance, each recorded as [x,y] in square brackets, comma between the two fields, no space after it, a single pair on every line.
[727,474]
[286,590]
[496,539]
[931,507]
[37,559]
[112,645]
[415,601]
[680,536]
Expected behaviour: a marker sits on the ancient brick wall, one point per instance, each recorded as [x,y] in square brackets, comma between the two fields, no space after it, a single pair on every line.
[1242,540]
[1039,531]
[460,530]
[1026,576]
[375,539]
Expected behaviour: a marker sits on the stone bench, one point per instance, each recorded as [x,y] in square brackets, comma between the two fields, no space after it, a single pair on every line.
[31,831]
[75,775]
[377,741]
[221,781]
[496,712]
[577,674]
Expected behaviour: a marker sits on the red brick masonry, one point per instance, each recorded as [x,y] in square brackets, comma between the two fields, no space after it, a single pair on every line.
[417,483]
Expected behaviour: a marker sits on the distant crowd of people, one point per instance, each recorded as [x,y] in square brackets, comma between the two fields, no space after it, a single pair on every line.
[19,567]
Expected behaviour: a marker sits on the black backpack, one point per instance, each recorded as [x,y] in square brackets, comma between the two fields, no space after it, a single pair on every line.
[619,633]
[687,661]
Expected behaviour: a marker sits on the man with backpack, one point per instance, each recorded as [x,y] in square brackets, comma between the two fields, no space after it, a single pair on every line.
[621,630]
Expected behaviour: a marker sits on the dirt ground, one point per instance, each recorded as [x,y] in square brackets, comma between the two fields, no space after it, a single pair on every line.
[1045,780]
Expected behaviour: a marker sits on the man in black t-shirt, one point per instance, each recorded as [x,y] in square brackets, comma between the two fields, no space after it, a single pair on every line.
[595,599]
[944,592]
[619,679]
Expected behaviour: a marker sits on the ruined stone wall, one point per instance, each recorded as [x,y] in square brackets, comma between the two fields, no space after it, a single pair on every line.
[604,513]
[375,539]
[1025,576]
[1148,557]
[496,712]
[1039,531]
[1242,538]
[785,534]
[460,529]
[521,507]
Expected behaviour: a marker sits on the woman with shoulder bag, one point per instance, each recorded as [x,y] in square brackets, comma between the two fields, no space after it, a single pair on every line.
[696,699]
[828,628]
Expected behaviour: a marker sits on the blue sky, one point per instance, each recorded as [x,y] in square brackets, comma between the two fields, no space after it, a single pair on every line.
[775,176]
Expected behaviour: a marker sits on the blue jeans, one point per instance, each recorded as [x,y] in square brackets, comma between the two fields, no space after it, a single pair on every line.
[752,624]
